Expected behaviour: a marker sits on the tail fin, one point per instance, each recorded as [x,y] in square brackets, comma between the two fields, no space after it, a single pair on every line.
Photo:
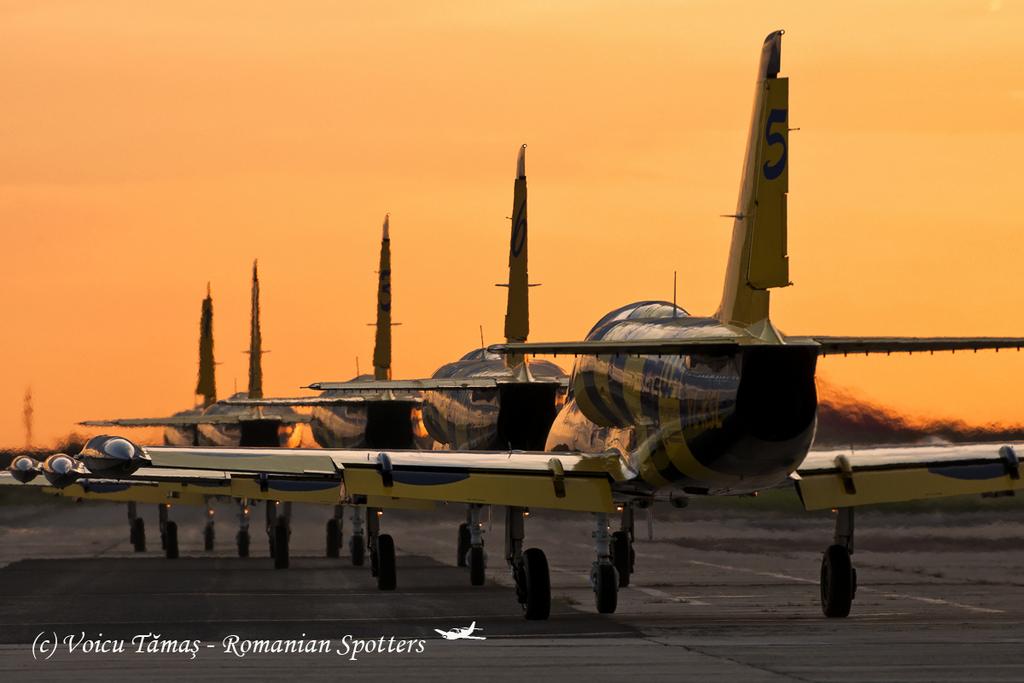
[758,260]
[517,314]
[255,340]
[207,384]
[382,341]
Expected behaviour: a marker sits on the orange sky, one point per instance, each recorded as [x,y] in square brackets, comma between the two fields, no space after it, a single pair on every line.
[146,151]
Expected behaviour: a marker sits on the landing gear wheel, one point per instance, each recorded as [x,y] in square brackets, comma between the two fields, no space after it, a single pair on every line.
[357,547]
[476,566]
[838,582]
[171,540]
[281,533]
[386,580]
[242,539]
[606,588]
[138,535]
[622,551]
[208,536]
[534,584]
[333,538]
[463,545]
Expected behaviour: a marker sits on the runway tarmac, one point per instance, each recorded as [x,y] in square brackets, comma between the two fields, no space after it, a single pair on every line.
[728,592]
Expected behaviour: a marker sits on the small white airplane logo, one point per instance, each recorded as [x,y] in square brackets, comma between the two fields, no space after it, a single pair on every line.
[461,633]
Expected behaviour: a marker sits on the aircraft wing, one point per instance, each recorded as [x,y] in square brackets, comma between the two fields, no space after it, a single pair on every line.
[841,478]
[830,346]
[637,347]
[566,481]
[440,384]
[827,346]
[192,420]
[313,401]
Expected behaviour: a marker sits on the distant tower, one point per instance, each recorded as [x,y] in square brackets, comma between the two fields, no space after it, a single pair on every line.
[27,413]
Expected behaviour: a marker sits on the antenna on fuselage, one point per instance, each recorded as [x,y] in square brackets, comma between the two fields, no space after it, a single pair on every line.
[482,345]
[675,273]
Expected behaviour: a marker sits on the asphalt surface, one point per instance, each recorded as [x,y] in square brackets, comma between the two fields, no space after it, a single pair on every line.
[721,591]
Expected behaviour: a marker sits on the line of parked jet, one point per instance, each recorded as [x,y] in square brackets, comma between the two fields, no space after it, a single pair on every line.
[660,405]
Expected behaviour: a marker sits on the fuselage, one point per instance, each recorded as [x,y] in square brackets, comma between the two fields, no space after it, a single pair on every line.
[724,423]
[513,415]
[183,437]
[376,419]
[251,430]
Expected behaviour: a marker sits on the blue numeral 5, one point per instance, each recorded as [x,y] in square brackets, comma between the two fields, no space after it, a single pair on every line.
[773,171]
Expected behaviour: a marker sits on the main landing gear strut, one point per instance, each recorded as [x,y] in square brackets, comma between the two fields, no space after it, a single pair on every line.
[838,576]
[529,567]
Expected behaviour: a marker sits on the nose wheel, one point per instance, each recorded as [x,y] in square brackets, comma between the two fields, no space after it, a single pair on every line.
[138,535]
[623,555]
[168,532]
[136,529]
[838,576]
[209,536]
[529,568]
[357,542]
[171,540]
[474,555]
[604,577]
[242,537]
[382,552]
[462,545]
[334,532]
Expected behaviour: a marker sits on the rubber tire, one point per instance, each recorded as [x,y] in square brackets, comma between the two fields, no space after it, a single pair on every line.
[386,579]
[281,534]
[463,545]
[171,540]
[621,554]
[357,547]
[606,588]
[837,582]
[139,535]
[242,540]
[537,586]
[477,566]
[333,538]
[208,538]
